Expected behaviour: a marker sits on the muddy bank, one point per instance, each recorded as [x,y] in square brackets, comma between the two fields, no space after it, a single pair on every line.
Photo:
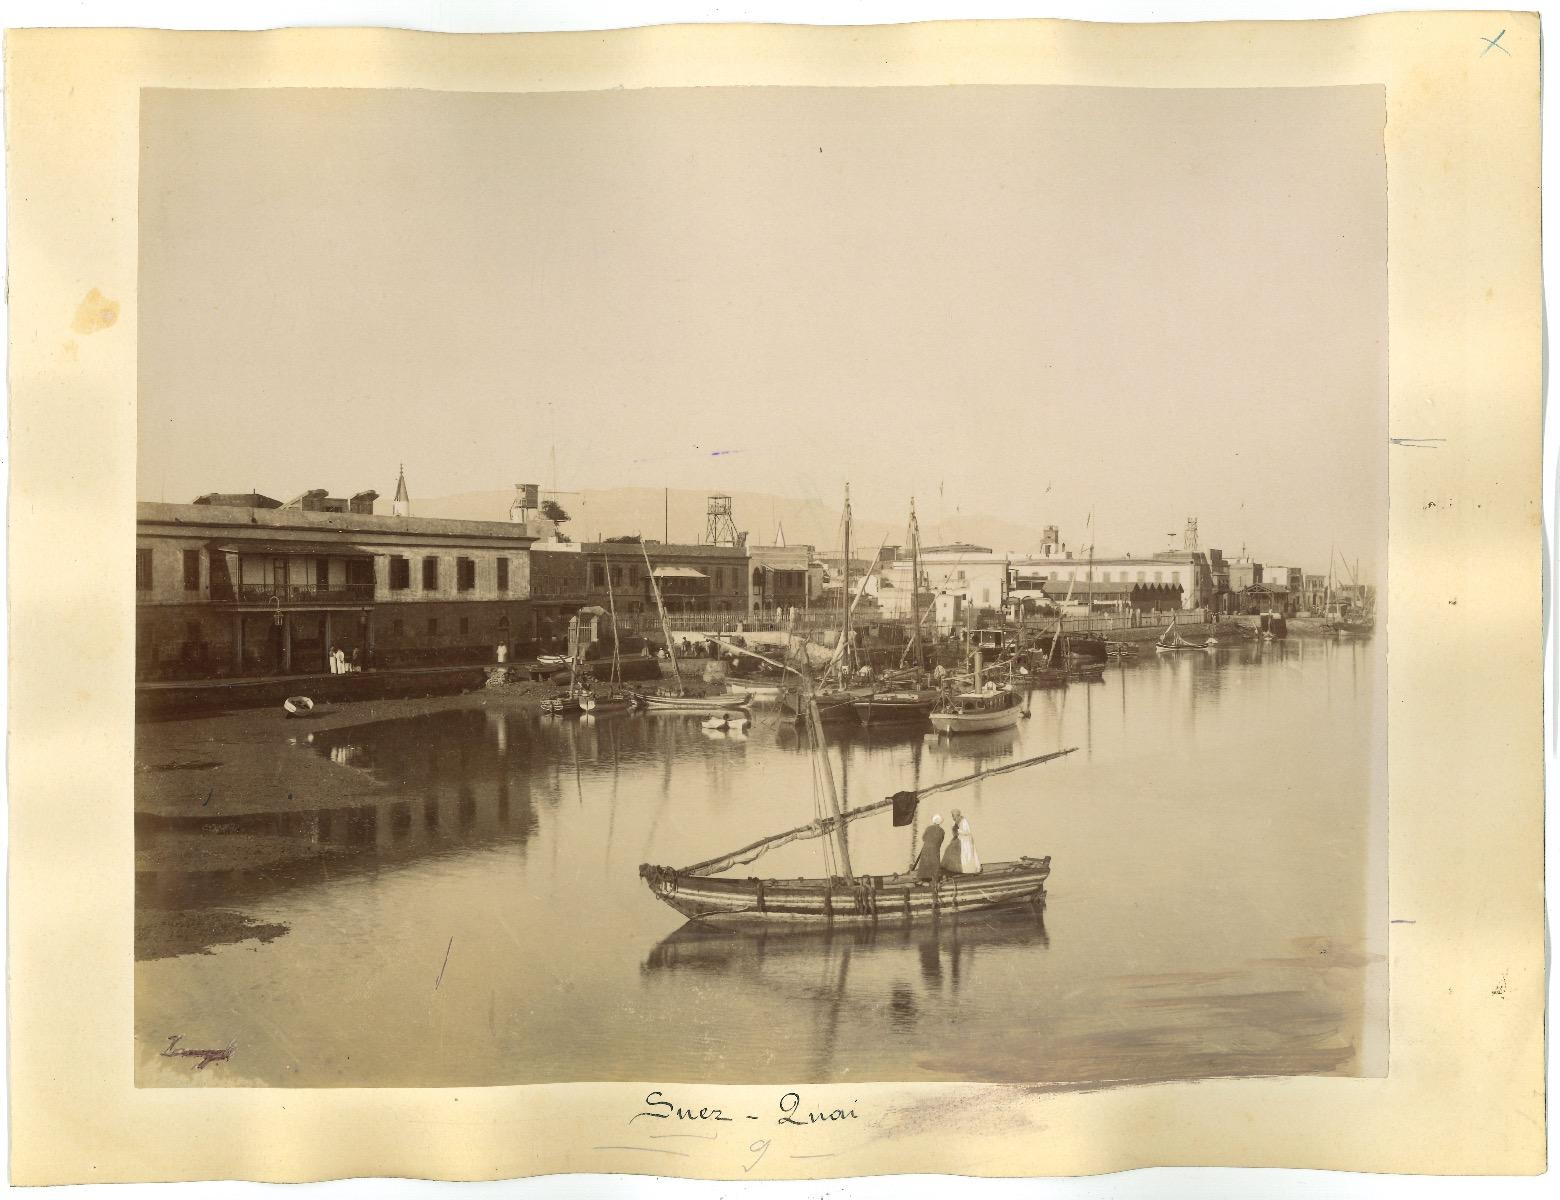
[259,760]
[169,933]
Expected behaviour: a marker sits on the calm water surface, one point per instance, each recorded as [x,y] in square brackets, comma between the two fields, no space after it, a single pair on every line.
[1216,902]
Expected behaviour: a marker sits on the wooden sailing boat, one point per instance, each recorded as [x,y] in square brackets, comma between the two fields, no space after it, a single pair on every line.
[1048,664]
[1341,620]
[570,701]
[842,896]
[612,697]
[1171,639]
[905,701]
[677,699]
[835,702]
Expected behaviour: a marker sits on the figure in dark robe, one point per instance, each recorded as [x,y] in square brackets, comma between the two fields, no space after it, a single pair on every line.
[952,856]
[928,864]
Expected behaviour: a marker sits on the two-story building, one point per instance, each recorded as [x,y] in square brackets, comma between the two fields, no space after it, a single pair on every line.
[229,587]
[781,580]
[690,578]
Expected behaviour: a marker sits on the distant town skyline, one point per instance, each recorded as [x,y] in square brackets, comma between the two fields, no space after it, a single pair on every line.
[1032,303]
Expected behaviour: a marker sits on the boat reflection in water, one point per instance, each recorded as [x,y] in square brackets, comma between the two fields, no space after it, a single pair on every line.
[696,946]
[910,971]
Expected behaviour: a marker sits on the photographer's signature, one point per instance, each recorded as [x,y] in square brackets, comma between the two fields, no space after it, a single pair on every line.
[207,1057]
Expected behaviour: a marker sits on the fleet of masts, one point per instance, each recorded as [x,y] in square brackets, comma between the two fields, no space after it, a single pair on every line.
[983,695]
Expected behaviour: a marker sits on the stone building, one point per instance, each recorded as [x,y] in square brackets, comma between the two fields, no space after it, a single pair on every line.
[227,588]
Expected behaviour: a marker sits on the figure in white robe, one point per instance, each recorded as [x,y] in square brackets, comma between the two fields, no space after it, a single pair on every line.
[969,861]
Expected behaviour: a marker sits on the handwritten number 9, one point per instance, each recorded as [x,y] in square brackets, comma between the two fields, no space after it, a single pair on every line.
[759,1148]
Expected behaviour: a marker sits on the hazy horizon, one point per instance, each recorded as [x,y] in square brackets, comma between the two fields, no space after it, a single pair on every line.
[1032,303]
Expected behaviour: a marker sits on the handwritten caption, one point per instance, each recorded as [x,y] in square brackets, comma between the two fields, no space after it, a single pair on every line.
[790,1113]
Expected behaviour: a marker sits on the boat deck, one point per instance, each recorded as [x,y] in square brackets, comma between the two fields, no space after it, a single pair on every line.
[868,898]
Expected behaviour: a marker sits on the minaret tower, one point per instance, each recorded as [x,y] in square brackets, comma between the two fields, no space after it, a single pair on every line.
[401,506]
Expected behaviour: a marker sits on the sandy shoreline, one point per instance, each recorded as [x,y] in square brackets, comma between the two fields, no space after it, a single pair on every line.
[257,760]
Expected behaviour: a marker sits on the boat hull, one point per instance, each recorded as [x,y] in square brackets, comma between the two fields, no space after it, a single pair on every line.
[757,691]
[898,709]
[606,704]
[833,707]
[872,899]
[979,722]
[691,703]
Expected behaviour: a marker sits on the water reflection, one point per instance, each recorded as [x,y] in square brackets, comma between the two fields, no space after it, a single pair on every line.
[1201,844]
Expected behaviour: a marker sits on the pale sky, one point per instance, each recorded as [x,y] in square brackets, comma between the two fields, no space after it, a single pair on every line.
[1036,301]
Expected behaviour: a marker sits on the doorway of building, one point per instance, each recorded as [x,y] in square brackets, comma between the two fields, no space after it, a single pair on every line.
[308,643]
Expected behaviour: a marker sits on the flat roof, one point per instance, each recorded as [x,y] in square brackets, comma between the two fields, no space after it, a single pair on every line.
[219,521]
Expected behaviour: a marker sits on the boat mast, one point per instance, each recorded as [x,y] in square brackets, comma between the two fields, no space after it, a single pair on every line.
[660,608]
[617,670]
[849,659]
[915,589]
[821,749]
[814,829]
[1089,623]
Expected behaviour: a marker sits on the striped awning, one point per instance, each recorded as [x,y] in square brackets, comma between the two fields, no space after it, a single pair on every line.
[280,549]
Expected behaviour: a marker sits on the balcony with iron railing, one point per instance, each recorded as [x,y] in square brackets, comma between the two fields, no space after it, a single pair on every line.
[291,595]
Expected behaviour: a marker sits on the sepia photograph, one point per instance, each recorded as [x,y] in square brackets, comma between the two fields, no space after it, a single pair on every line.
[760,584]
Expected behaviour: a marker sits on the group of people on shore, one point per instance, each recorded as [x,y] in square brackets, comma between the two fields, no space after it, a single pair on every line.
[958,857]
[341,662]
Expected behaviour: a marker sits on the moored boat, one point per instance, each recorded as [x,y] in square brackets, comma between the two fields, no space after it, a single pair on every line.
[607,701]
[297,706]
[611,696]
[975,712]
[835,706]
[668,702]
[755,689]
[1171,639]
[903,705]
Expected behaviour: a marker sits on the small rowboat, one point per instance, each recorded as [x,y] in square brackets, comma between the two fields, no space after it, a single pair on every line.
[728,721]
[297,706]
[562,705]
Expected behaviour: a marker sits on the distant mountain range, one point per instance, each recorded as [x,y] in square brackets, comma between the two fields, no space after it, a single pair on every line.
[616,511]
